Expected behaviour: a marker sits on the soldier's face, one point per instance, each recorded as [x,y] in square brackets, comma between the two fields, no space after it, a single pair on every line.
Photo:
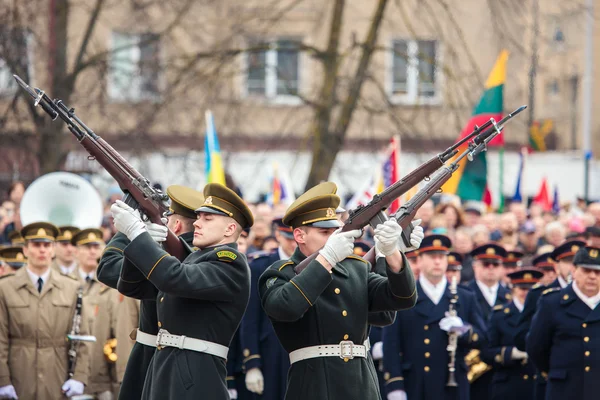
[212,229]
[65,253]
[488,271]
[433,266]
[588,280]
[311,239]
[39,254]
[88,255]
[549,277]
[451,274]
[564,268]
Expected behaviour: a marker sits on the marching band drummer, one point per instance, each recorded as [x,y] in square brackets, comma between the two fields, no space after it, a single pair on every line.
[513,373]
[321,315]
[201,300]
[36,314]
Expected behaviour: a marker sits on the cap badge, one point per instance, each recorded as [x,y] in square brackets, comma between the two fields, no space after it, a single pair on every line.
[594,253]
[68,235]
[574,249]
[550,260]
[20,256]
[209,200]
[511,256]
[451,259]
[330,213]
[41,232]
[437,243]
[490,251]
[527,276]
[91,236]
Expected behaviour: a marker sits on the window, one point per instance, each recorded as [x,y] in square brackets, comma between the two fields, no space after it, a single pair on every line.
[414,74]
[15,58]
[134,69]
[273,70]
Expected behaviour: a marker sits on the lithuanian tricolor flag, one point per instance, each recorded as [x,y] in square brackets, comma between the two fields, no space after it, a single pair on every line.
[470,179]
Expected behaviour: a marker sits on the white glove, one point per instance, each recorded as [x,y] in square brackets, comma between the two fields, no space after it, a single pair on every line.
[416,237]
[449,323]
[255,381]
[339,245]
[72,387]
[517,354]
[386,237]
[157,232]
[397,395]
[8,392]
[377,351]
[127,220]
[232,394]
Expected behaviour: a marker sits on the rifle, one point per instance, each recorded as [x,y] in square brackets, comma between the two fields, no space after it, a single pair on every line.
[139,194]
[373,213]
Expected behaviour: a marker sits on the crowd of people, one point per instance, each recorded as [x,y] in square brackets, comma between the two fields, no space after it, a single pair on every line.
[484,277]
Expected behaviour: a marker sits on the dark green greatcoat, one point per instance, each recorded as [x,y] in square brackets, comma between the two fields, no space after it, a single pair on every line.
[321,308]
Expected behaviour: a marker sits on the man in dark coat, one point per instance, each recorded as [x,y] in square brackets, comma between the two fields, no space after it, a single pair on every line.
[200,300]
[321,314]
[565,332]
[180,219]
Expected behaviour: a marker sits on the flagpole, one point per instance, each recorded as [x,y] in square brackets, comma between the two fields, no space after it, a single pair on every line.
[524,196]
[587,96]
[501,180]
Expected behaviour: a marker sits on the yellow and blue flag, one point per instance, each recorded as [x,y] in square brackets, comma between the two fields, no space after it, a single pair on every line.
[212,153]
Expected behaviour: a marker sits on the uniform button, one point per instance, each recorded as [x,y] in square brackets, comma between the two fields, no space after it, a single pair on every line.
[346,337]
[587,369]
[586,339]
[162,298]
[426,368]
[426,327]
[337,290]
[427,355]
[587,353]
[159,324]
[525,377]
[346,359]
[344,313]
[584,325]
[426,341]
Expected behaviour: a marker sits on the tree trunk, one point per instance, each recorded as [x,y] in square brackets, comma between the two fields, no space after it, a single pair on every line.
[328,140]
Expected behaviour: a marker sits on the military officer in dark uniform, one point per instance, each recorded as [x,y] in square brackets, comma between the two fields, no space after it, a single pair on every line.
[512,262]
[321,314]
[265,361]
[454,266]
[563,257]
[415,351]
[513,373]
[487,264]
[180,219]
[564,339]
[201,300]
[545,263]
[14,259]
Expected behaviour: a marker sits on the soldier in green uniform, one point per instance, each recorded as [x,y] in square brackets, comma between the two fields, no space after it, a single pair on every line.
[180,220]
[321,315]
[201,300]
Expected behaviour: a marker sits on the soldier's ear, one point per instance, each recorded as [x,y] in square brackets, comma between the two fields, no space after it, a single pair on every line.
[299,235]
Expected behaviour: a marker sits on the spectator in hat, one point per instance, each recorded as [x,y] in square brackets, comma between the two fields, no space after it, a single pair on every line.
[528,238]
[472,212]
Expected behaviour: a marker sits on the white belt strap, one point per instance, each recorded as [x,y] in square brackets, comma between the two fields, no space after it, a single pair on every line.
[345,349]
[165,339]
[145,338]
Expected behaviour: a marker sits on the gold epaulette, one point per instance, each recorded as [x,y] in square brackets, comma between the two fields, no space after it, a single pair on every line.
[286,264]
[554,289]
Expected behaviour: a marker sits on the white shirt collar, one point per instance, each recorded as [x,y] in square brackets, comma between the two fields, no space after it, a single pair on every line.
[489,293]
[68,270]
[282,255]
[563,284]
[591,302]
[520,306]
[83,275]
[434,292]
[34,278]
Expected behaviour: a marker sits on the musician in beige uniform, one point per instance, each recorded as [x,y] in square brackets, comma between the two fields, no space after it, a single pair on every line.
[126,316]
[65,261]
[102,302]
[37,306]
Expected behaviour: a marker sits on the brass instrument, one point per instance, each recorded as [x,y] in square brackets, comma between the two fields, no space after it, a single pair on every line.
[475,366]
[452,337]
[110,348]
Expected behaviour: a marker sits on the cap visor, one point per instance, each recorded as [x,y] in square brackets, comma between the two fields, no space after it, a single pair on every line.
[210,210]
[331,223]
[287,235]
[41,240]
[589,266]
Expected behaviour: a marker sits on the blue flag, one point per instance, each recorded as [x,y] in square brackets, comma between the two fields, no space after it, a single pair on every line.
[517,196]
[555,202]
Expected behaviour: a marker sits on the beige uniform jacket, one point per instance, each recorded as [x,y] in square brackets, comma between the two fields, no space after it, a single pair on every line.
[127,319]
[33,330]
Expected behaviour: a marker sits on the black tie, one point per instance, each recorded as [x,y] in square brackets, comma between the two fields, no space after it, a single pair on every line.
[88,279]
[40,284]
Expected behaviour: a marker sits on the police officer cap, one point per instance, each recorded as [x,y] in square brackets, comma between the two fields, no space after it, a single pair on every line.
[66,233]
[88,236]
[435,244]
[567,249]
[40,232]
[592,231]
[361,248]
[544,262]
[411,255]
[13,256]
[588,257]
[315,208]
[15,238]
[454,261]
[184,201]
[282,228]
[525,277]
[489,251]
[220,200]
[513,259]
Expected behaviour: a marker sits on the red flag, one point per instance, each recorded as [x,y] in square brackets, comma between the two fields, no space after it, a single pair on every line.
[391,170]
[543,197]
[487,197]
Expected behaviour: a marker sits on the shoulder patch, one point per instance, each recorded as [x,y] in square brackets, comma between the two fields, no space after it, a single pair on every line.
[498,307]
[226,254]
[358,258]
[271,282]
[285,265]
[550,290]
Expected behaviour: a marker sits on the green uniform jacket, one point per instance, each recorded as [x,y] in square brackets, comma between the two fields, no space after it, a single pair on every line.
[321,308]
[203,297]
[109,270]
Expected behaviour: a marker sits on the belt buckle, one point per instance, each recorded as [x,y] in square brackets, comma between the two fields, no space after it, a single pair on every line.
[347,349]
[158,337]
